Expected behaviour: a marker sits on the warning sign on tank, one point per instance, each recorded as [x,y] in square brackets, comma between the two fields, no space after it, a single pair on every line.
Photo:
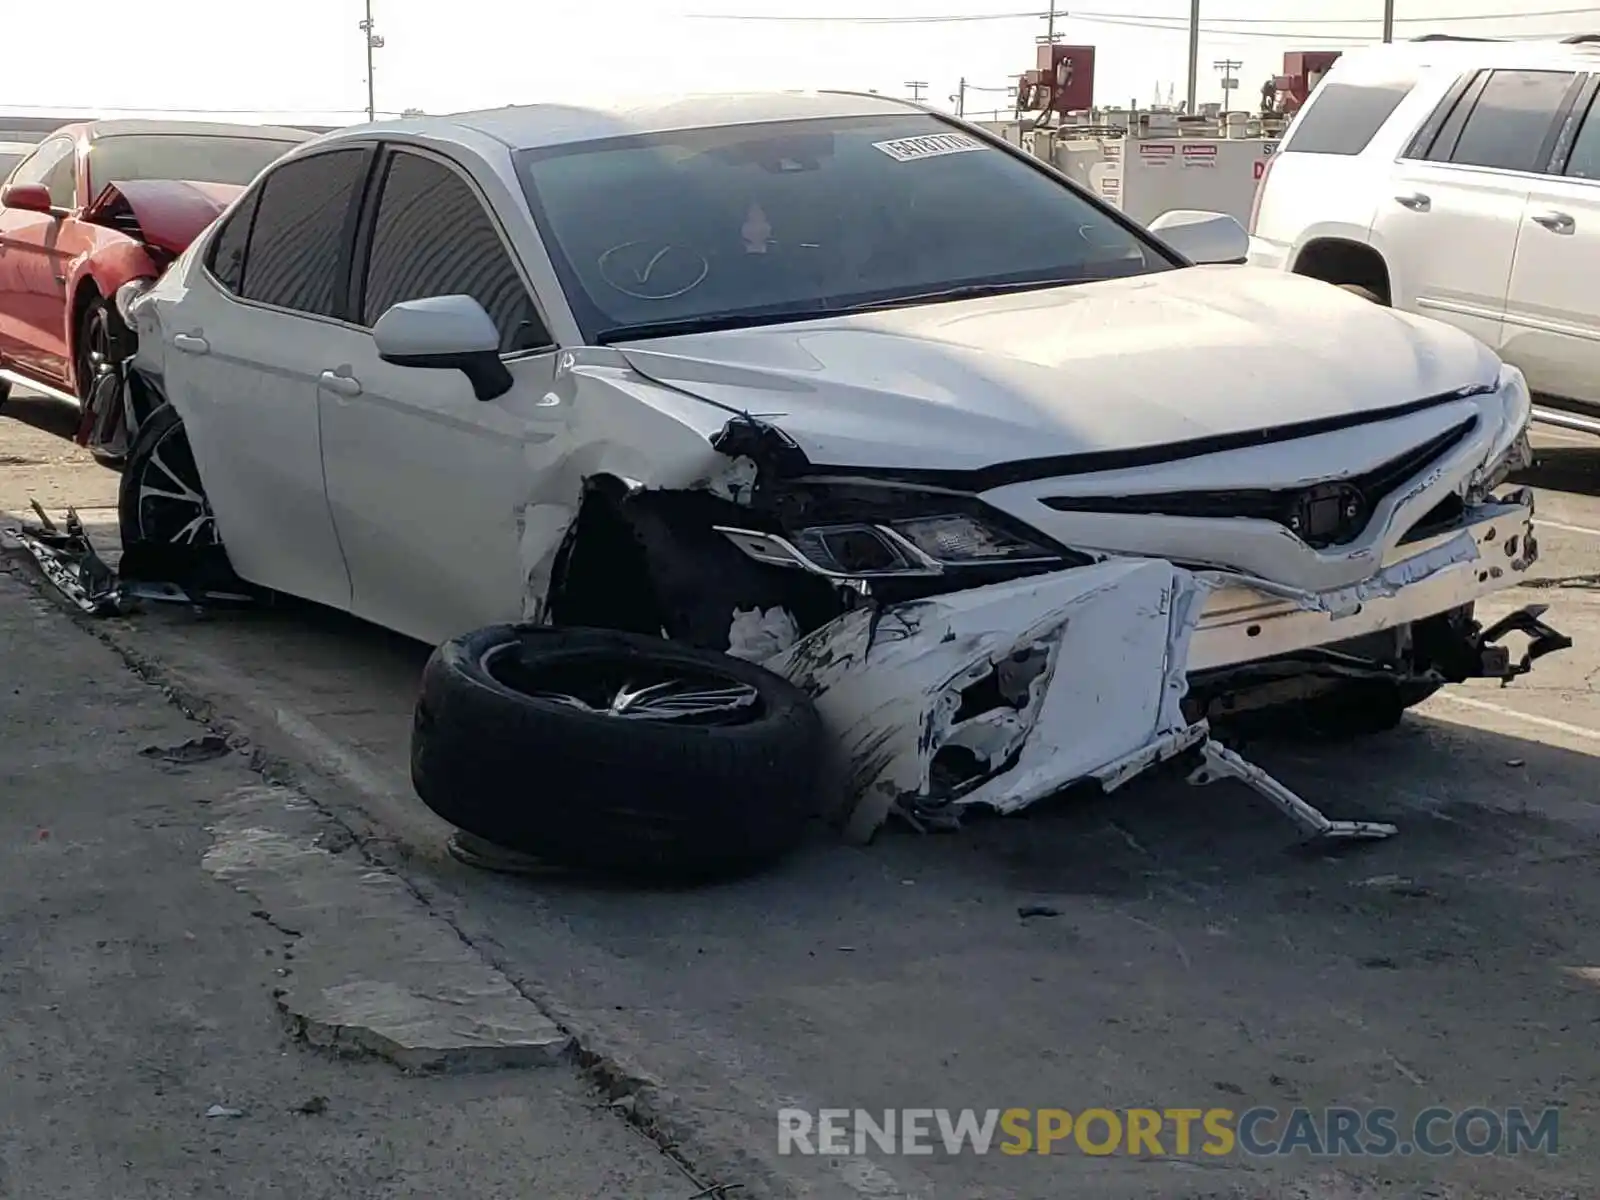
[933,145]
[1200,156]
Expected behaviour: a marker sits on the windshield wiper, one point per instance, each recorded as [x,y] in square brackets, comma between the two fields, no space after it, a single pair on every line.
[716,322]
[966,291]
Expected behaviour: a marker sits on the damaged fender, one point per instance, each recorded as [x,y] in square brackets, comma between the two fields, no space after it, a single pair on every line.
[1003,695]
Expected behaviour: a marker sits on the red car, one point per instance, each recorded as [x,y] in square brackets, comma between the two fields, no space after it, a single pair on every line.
[94,207]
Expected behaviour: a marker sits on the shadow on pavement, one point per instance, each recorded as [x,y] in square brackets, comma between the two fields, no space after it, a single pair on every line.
[1574,469]
[42,413]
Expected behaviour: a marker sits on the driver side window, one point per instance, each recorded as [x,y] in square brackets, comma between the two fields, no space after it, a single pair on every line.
[432,236]
[52,164]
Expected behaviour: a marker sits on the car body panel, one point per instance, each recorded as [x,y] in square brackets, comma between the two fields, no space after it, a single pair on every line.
[1090,369]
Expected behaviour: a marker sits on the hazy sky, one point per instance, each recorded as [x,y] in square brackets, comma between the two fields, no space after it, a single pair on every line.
[306,58]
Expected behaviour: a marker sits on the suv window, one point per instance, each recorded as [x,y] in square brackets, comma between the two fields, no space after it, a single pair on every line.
[293,260]
[203,158]
[431,236]
[1343,117]
[1584,160]
[52,165]
[1509,125]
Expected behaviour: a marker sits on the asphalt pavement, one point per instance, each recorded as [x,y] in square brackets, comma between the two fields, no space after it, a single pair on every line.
[142,1048]
[1166,948]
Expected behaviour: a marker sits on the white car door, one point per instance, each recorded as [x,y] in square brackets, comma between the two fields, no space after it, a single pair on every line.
[1449,226]
[1553,307]
[243,340]
[429,485]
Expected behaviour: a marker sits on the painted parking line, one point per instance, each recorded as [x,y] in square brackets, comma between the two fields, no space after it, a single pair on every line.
[1577,731]
[1583,529]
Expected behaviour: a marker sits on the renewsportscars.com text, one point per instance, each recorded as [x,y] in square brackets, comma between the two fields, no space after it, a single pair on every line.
[1170,1132]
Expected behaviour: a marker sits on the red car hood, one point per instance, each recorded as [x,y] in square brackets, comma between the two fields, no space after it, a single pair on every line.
[170,212]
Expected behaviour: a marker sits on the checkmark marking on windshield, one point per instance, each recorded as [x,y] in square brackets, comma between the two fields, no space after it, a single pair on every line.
[643,275]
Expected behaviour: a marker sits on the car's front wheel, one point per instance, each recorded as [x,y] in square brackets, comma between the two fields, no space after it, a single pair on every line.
[103,343]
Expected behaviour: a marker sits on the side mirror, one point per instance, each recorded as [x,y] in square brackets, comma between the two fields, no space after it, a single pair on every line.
[28,197]
[445,332]
[1203,237]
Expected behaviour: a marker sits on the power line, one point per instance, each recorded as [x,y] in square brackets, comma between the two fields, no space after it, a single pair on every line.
[1039,14]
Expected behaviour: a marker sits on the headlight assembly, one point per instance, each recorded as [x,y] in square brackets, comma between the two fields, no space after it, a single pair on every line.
[914,547]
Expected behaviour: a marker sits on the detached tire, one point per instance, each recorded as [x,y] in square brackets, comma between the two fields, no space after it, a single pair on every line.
[616,752]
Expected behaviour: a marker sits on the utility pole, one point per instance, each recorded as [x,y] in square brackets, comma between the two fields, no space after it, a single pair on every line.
[1051,37]
[374,42]
[1227,66]
[1194,55]
[1388,20]
[916,86]
[960,98]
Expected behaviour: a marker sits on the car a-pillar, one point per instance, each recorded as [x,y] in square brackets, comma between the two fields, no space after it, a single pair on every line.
[652,562]
[1355,267]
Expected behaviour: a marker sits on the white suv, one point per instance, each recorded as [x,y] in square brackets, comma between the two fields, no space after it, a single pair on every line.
[1459,180]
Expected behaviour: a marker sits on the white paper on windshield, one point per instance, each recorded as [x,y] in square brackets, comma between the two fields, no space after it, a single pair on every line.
[932,145]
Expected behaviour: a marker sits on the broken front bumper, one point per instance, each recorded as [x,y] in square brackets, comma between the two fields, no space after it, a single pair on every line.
[1003,695]
[1491,548]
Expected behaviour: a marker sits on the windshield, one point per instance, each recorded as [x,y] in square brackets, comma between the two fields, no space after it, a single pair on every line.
[752,224]
[202,158]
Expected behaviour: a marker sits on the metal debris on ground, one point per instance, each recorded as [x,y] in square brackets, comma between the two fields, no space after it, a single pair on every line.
[68,559]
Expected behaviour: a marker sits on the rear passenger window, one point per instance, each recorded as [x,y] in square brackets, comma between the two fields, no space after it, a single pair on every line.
[1342,118]
[431,236]
[293,258]
[226,256]
[1510,125]
[1584,160]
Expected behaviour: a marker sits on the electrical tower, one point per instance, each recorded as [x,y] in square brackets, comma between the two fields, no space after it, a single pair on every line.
[1229,81]
[917,86]
[374,42]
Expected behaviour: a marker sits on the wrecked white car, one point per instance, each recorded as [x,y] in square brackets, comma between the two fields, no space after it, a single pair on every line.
[1017,491]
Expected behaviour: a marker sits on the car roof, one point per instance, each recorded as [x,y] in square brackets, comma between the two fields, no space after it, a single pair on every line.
[1463,55]
[124,127]
[530,126]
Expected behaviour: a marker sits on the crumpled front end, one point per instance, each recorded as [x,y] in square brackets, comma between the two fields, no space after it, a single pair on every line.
[1001,693]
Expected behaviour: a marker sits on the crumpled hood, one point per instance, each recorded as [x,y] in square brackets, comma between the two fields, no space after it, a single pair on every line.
[1184,354]
[171,212]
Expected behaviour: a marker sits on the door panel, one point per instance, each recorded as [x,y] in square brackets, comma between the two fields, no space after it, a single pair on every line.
[243,369]
[430,486]
[1553,307]
[1435,212]
[35,249]
[1451,225]
[250,411]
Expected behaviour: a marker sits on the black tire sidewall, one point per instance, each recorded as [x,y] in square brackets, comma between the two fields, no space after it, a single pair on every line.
[593,792]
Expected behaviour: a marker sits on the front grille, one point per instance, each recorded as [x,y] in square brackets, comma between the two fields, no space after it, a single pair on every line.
[1331,513]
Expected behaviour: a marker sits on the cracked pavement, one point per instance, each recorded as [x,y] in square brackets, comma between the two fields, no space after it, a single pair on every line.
[1176,952]
[142,1054]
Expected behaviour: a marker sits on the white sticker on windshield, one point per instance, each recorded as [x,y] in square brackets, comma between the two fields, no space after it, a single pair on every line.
[930,146]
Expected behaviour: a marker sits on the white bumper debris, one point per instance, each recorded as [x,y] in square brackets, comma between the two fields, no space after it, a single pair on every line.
[1002,695]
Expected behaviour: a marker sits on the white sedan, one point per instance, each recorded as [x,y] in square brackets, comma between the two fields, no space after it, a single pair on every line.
[845,386]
